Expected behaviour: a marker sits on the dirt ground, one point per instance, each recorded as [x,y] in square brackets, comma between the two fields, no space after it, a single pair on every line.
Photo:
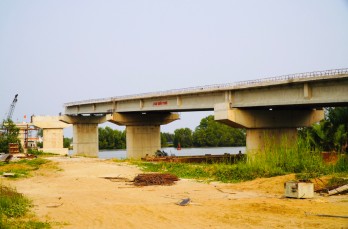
[78,196]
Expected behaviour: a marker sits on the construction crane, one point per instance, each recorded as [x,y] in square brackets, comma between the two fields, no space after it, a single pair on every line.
[12,107]
[9,115]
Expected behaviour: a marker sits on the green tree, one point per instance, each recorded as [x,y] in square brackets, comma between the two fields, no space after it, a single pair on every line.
[164,142]
[111,139]
[167,139]
[67,142]
[338,116]
[331,134]
[9,135]
[214,134]
[183,136]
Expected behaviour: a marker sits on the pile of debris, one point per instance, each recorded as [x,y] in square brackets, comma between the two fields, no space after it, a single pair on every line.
[146,179]
[339,187]
[161,156]
[15,157]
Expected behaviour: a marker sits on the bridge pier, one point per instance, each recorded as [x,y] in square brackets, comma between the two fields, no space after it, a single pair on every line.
[52,133]
[267,126]
[142,140]
[142,131]
[85,134]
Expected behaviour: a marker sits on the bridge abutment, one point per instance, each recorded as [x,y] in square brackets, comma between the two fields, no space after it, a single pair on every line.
[142,131]
[52,133]
[267,126]
[85,134]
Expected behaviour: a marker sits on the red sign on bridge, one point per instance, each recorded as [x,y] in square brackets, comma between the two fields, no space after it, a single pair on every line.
[160,103]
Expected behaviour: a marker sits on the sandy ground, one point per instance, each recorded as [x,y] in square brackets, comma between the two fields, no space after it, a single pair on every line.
[78,197]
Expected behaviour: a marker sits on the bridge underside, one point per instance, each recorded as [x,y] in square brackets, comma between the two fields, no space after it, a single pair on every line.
[271,126]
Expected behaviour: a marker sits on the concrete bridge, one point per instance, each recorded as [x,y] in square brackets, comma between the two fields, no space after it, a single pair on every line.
[270,108]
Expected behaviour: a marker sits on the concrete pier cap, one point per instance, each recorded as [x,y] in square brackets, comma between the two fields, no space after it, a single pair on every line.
[52,133]
[142,130]
[265,124]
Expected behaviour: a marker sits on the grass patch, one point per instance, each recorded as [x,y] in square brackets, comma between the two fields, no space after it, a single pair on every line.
[180,169]
[120,160]
[12,203]
[38,152]
[22,168]
[14,208]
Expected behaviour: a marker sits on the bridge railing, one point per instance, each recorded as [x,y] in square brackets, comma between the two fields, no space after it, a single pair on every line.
[296,76]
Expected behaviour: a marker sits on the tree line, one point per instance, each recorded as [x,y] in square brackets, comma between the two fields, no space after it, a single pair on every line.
[209,133]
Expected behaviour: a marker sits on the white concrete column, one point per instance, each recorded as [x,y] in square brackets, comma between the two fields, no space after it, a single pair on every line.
[85,133]
[142,131]
[85,140]
[142,140]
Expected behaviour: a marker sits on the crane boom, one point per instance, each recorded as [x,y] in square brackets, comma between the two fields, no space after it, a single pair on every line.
[12,107]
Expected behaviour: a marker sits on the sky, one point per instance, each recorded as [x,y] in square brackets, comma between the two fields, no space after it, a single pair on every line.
[53,52]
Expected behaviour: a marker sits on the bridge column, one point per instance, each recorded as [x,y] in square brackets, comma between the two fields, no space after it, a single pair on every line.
[143,131]
[271,126]
[85,134]
[52,133]
[142,140]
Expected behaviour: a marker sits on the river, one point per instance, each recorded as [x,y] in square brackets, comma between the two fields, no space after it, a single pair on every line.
[121,154]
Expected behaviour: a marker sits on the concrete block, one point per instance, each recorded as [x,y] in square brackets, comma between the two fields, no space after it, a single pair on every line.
[300,190]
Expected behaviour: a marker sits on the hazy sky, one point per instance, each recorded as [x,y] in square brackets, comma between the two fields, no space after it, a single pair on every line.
[53,52]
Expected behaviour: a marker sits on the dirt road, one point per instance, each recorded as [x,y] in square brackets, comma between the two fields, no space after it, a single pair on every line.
[79,197]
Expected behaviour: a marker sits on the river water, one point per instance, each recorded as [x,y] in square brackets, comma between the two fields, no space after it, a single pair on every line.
[121,154]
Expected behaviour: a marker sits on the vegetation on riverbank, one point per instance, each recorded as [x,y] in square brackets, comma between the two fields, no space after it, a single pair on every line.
[271,161]
[15,211]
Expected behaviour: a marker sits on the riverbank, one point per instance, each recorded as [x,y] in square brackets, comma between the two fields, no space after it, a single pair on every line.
[78,196]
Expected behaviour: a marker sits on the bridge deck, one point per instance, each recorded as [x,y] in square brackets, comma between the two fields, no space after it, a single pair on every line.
[320,88]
